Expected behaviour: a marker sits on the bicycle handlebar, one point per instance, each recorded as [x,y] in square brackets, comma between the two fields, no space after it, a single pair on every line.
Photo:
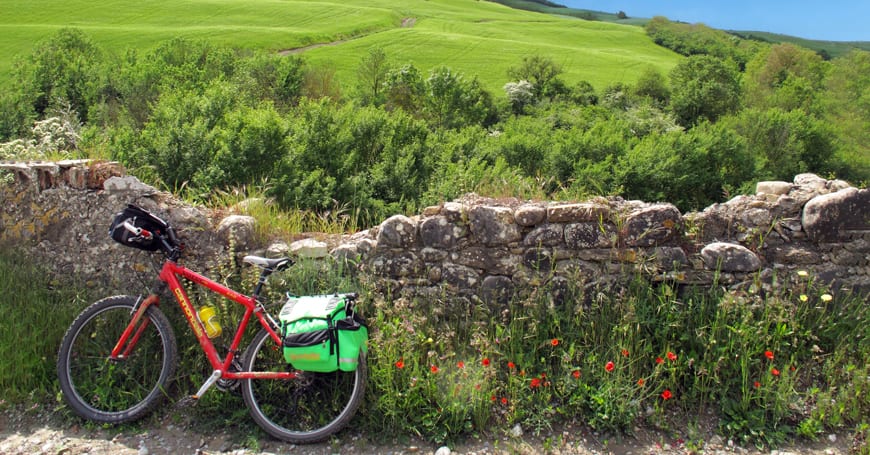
[137,231]
[171,246]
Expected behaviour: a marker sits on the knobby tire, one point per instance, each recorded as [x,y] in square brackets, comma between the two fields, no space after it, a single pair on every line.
[115,391]
[304,410]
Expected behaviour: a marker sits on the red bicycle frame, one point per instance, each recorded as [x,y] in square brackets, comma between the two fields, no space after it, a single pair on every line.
[169,274]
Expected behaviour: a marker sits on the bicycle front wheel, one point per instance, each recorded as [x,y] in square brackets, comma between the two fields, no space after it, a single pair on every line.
[107,390]
[307,409]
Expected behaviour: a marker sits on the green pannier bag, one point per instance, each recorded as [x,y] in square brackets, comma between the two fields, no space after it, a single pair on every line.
[322,333]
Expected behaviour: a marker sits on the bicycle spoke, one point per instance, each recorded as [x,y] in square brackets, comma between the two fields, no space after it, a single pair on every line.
[306,409]
[115,390]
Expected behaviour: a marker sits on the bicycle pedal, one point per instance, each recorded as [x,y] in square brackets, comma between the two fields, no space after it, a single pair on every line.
[187,401]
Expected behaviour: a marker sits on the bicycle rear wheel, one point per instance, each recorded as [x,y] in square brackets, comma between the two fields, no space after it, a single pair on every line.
[114,391]
[304,410]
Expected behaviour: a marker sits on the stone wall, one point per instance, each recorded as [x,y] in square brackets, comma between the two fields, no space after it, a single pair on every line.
[473,248]
[59,214]
[489,248]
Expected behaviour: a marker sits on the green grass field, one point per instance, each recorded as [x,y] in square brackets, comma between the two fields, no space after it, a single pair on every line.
[474,37]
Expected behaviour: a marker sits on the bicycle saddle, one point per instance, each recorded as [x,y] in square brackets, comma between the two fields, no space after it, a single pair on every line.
[274,265]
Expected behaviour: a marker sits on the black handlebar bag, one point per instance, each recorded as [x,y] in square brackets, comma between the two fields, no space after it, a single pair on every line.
[142,219]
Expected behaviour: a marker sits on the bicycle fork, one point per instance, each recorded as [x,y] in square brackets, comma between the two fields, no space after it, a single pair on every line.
[126,339]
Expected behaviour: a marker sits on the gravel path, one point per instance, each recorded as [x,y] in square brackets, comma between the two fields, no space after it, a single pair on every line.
[39,429]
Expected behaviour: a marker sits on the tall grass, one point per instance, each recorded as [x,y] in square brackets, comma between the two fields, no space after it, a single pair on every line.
[36,314]
[769,366]
[273,221]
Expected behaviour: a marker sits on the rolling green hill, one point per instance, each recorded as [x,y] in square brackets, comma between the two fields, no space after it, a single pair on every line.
[474,37]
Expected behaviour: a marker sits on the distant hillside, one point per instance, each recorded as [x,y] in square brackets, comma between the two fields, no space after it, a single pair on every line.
[562,10]
[830,49]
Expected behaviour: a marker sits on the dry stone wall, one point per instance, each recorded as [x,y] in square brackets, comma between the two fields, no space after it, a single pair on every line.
[473,248]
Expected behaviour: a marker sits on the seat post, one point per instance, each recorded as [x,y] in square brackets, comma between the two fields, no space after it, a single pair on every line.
[260,282]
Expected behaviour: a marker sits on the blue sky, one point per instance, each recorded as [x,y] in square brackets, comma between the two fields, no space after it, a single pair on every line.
[833,20]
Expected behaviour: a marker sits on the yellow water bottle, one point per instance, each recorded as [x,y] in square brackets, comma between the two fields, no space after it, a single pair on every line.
[210,320]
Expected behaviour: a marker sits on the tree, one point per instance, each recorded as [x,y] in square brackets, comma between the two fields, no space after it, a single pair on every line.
[519,94]
[785,143]
[785,76]
[704,88]
[60,72]
[652,84]
[320,82]
[583,94]
[404,89]
[543,73]
[273,77]
[847,108]
[371,76]
[451,101]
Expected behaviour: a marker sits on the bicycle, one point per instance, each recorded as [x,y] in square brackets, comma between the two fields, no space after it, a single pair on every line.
[119,355]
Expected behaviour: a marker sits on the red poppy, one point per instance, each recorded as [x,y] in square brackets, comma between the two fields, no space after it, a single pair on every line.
[625,352]
[576,374]
[492,398]
[660,360]
[774,371]
[609,367]
[667,395]
[769,355]
[503,400]
[535,383]
[641,382]
[756,384]
[400,364]
[485,362]
[543,375]
[672,357]
[460,365]
[511,365]
[554,342]
[433,368]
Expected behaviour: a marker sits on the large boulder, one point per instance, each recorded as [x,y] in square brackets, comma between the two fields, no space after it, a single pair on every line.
[730,257]
[830,217]
[494,225]
[651,226]
[397,231]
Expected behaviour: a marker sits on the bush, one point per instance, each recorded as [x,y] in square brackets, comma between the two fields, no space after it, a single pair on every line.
[704,88]
[60,73]
[784,143]
[691,170]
